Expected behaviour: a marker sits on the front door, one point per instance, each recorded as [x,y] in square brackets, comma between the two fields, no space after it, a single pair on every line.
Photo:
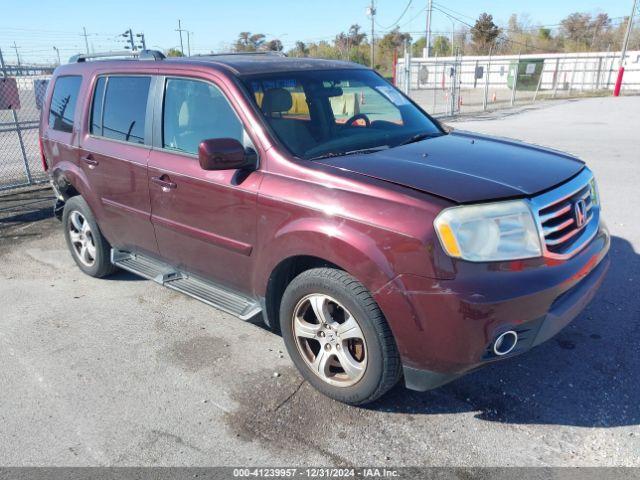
[205,221]
[114,154]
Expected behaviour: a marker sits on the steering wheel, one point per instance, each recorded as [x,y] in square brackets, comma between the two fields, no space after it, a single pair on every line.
[358,116]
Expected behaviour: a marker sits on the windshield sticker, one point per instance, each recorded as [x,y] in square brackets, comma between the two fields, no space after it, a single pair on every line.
[393,95]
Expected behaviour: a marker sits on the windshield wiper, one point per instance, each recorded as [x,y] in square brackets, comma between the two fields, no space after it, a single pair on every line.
[350,152]
[419,137]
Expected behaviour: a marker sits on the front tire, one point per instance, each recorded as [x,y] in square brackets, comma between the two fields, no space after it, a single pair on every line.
[338,337]
[88,247]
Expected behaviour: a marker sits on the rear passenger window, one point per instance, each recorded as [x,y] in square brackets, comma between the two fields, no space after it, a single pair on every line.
[124,110]
[63,103]
[195,111]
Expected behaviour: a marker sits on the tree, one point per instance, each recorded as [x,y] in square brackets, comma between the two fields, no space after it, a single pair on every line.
[417,49]
[574,28]
[274,45]
[300,50]
[441,46]
[173,52]
[484,33]
[248,42]
[393,39]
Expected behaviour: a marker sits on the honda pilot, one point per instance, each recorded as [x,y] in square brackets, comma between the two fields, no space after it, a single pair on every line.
[380,244]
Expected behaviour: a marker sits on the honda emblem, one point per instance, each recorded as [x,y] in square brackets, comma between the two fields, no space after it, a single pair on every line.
[580,213]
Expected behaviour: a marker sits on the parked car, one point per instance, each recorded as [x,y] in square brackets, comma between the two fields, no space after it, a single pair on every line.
[381,244]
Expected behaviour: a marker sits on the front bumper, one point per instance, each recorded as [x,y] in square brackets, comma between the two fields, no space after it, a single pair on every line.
[445,328]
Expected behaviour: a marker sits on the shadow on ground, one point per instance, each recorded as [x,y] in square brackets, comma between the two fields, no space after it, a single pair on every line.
[588,375]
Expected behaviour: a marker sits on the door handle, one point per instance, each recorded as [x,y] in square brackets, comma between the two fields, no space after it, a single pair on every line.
[89,160]
[164,182]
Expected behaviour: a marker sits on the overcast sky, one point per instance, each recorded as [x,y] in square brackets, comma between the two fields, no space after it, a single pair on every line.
[36,26]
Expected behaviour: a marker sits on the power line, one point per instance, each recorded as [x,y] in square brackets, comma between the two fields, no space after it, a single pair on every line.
[406,9]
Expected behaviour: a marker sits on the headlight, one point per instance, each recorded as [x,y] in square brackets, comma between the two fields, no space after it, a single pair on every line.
[489,232]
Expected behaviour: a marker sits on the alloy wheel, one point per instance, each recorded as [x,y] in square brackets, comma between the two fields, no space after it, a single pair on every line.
[329,340]
[81,238]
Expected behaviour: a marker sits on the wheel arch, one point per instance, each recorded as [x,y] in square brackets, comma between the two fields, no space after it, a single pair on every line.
[306,244]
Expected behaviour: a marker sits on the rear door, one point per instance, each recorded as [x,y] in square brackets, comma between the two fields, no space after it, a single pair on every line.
[114,153]
[205,221]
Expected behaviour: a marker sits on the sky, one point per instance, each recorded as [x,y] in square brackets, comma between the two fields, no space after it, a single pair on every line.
[38,26]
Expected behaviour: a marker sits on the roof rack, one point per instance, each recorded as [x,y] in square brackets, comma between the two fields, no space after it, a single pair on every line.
[268,52]
[136,54]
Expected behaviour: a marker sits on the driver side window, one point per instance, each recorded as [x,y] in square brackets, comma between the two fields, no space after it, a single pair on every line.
[194,111]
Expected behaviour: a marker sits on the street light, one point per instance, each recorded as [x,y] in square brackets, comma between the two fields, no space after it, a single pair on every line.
[58,54]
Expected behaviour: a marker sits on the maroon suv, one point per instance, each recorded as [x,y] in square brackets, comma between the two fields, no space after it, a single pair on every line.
[380,244]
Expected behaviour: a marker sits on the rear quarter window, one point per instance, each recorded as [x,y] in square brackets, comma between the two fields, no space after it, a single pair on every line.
[63,103]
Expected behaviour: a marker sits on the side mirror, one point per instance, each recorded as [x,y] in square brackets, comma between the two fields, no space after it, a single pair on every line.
[224,154]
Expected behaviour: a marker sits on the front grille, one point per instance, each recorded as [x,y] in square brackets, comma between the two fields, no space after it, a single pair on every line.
[559,220]
[568,216]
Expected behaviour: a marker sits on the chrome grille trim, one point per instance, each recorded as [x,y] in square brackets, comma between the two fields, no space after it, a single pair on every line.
[554,213]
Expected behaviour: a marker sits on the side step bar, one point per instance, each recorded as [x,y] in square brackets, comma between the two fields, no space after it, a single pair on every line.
[210,293]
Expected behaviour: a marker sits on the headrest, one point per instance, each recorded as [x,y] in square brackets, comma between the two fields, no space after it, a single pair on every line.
[276,100]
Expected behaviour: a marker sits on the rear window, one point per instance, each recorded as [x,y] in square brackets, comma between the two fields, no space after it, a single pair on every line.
[121,115]
[63,103]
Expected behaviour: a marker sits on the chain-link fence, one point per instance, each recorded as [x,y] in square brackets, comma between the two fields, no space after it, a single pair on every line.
[455,85]
[22,89]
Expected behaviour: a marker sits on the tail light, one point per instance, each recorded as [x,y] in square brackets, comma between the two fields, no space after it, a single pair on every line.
[45,167]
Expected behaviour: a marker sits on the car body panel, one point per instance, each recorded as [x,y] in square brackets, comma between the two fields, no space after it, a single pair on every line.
[466,168]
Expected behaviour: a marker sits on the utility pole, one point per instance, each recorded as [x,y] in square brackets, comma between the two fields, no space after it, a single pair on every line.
[142,40]
[129,36]
[371,11]
[625,43]
[58,54]
[86,42]
[427,36]
[189,43]
[180,30]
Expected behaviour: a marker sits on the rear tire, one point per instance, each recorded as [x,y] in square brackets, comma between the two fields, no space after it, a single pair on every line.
[338,337]
[88,247]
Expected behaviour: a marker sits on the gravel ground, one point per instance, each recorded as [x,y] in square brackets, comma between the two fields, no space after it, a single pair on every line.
[124,372]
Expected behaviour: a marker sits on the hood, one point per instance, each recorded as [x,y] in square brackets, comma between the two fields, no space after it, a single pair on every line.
[465,167]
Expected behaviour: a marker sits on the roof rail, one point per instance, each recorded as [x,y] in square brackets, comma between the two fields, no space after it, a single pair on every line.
[268,52]
[136,54]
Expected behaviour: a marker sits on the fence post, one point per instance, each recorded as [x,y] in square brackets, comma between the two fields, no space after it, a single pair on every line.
[610,69]
[452,85]
[573,74]
[407,67]
[485,99]
[515,82]
[535,95]
[435,82]
[27,170]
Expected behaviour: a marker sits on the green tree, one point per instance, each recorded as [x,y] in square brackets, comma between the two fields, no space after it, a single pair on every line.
[417,49]
[173,52]
[484,33]
[300,50]
[274,45]
[441,46]
[248,42]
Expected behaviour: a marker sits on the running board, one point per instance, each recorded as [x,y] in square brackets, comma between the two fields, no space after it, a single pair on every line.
[215,295]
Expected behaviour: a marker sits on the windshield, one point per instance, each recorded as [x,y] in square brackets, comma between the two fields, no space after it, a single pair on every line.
[336,112]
